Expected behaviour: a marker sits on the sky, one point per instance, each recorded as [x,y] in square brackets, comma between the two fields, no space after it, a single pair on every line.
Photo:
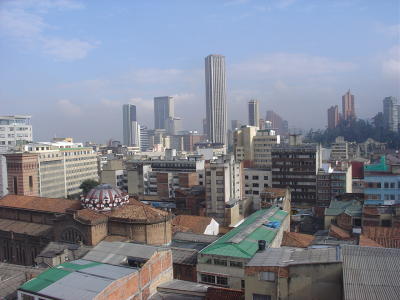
[72,64]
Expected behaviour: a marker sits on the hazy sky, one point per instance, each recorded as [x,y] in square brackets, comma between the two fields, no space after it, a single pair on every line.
[72,64]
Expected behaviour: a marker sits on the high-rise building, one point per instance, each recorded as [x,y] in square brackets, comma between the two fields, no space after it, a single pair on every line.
[235,124]
[144,138]
[280,125]
[391,114]
[173,125]
[135,134]
[216,110]
[263,143]
[163,109]
[128,117]
[254,115]
[333,117]
[15,129]
[348,109]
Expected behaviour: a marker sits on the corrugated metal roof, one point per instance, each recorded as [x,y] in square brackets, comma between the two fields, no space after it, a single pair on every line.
[115,253]
[280,257]
[81,279]
[184,256]
[370,273]
[242,241]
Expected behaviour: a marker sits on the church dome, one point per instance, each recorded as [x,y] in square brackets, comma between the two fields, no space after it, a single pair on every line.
[104,197]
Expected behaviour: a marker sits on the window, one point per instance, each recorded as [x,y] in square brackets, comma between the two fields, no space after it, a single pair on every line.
[386,185]
[30,182]
[265,185]
[261,297]
[220,262]
[255,177]
[220,182]
[27,297]
[267,276]
[207,278]
[392,185]
[222,280]
[236,264]
[247,177]
[255,185]
[265,177]
[242,284]
[219,190]
[255,193]
[357,222]
[219,173]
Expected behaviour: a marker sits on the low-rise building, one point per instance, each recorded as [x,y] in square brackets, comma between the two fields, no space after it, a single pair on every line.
[222,263]
[195,224]
[114,173]
[255,180]
[345,214]
[284,273]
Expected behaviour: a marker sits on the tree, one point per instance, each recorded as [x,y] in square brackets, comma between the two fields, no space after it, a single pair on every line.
[87,185]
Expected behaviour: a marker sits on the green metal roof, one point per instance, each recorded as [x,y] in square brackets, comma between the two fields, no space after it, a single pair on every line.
[352,208]
[248,244]
[52,275]
[379,167]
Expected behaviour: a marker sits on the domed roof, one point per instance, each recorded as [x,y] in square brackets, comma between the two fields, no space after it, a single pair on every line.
[104,197]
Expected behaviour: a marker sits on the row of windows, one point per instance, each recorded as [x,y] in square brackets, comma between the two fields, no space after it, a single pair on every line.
[219,280]
[386,185]
[224,262]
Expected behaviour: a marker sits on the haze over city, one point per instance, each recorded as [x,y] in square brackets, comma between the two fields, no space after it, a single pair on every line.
[72,64]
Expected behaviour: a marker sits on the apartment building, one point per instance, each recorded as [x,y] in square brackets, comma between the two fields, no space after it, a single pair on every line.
[223,183]
[15,129]
[243,142]
[254,182]
[263,143]
[115,174]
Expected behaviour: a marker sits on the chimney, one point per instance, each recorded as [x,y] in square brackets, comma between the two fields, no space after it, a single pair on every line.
[261,245]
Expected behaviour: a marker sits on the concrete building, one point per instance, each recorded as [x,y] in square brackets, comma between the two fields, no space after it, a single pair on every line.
[340,149]
[348,109]
[255,181]
[391,114]
[333,117]
[163,109]
[216,107]
[254,113]
[243,142]
[223,183]
[53,170]
[296,166]
[381,188]
[173,125]
[263,143]
[15,130]
[287,273]
[144,138]
[223,262]
[277,123]
[128,116]
[331,183]
[114,173]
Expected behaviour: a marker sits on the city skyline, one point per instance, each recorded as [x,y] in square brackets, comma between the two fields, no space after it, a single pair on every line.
[57,65]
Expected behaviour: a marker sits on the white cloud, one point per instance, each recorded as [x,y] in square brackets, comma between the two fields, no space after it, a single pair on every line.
[391,64]
[289,65]
[145,104]
[68,50]
[24,22]
[389,30]
[69,108]
[183,97]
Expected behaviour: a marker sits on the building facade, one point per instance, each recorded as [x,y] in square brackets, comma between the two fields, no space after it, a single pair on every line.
[163,109]
[348,109]
[333,117]
[15,129]
[263,143]
[243,142]
[128,116]
[391,114]
[216,107]
[254,113]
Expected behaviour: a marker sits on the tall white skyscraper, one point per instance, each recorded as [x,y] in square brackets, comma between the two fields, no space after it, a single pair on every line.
[254,114]
[216,111]
[391,114]
[163,109]
[128,117]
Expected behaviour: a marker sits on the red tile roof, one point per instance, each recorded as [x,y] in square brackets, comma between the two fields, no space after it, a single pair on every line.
[366,242]
[187,223]
[295,239]
[219,293]
[388,237]
[339,233]
[136,211]
[90,216]
[54,205]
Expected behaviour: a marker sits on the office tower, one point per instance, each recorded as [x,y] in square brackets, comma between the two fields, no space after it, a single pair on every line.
[254,116]
[235,124]
[135,134]
[163,109]
[15,130]
[280,125]
[128,116]
[348,106]
[391,114]
[173,125]
[263,142]
[333,117]
[216,110]
[243,142]
[144,138]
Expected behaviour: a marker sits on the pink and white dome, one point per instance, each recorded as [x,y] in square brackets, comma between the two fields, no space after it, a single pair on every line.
[104,197]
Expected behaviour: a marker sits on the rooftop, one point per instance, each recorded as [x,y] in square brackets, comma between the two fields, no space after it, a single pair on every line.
[281,257]
[388,237]
[54,205]
[79,279]
[242,241]
[352,208]
[184,256]
[370,273]
[295,239]
[195,224]
[22,227]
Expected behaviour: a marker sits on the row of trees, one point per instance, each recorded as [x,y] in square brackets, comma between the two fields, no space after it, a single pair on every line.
[357,131]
